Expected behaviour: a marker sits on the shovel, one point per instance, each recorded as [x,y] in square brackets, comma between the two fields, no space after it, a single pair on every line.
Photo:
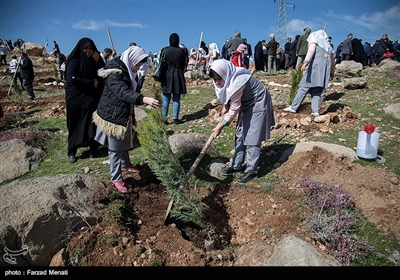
[191,171]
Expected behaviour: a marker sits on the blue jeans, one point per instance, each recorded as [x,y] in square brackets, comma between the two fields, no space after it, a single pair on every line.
[176,106]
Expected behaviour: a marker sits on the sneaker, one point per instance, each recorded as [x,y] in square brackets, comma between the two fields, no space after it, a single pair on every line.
[121,187]
[246,177]
[289,109]
[315,114]
[230,171]
[131,168]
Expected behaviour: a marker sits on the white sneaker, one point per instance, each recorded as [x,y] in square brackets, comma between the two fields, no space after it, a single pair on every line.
[314,114]
[289,109]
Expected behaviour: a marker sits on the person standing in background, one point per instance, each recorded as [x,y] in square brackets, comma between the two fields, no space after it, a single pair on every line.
[287,52]
[318,68]
[258,56]
[155,60]
[182,46]
[368,50]
[292,52]
[56,48]
[192,63]
[347,48]
[173,83]
[141,73]
[272,47]
[302,46]
[61,65]
[280,58]
[28,74]
[107,54]
[16,71]
[82,94]
[338,54]
[264,56]
[202,57]
[237,57]
[247,54]
[234,42]
[213,53]
[225,50]
[3,53]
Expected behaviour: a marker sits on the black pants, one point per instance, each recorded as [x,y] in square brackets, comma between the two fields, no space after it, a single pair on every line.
[93,148]
[19,77]
[265,62]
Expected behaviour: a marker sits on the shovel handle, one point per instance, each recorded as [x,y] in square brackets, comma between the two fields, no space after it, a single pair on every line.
[200,156]
[194,165]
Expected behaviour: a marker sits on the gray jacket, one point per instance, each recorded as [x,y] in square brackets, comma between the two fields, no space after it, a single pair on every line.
[347,47]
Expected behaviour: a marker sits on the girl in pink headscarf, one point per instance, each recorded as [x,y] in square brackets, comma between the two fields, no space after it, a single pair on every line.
[115,115]
[237,56]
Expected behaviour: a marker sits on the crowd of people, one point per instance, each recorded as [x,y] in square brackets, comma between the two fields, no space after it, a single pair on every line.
[366,54]
[102,88]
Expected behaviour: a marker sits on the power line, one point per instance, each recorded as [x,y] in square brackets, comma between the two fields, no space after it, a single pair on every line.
[281,32]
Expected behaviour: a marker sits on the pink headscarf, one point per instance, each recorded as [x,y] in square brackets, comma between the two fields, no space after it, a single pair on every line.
[132,56]
[242,47]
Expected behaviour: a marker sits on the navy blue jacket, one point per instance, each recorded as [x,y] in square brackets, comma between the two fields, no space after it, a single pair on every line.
[118,94]
[27,68]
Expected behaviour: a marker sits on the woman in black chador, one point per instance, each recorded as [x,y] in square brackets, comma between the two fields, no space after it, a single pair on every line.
[82,94]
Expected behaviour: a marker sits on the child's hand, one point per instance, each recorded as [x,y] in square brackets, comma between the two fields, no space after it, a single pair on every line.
[151,101]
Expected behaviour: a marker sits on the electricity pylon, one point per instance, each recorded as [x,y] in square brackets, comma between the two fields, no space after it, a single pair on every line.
[281,33]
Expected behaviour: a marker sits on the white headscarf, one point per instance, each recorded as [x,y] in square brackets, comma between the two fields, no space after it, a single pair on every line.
[213,46]
[132,56]
[234,77]
[321,39]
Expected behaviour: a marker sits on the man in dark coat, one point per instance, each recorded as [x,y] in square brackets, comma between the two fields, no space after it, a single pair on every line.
[247,54]
[235,41]
[292,52]
[27,74]
[225,50]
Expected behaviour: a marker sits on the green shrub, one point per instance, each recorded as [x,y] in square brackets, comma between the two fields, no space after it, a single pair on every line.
[296,78]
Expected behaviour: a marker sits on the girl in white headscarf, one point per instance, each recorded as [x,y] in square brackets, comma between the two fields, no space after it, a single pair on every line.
[115,115]
[242,94]
[213,53]
[319,67]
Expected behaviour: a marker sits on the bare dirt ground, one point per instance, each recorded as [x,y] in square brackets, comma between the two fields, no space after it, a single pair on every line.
[235,215]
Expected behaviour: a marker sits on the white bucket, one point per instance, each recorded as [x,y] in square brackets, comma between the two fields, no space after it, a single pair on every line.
[367,145]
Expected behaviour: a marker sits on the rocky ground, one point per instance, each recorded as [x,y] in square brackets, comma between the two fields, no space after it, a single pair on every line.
[235,215]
